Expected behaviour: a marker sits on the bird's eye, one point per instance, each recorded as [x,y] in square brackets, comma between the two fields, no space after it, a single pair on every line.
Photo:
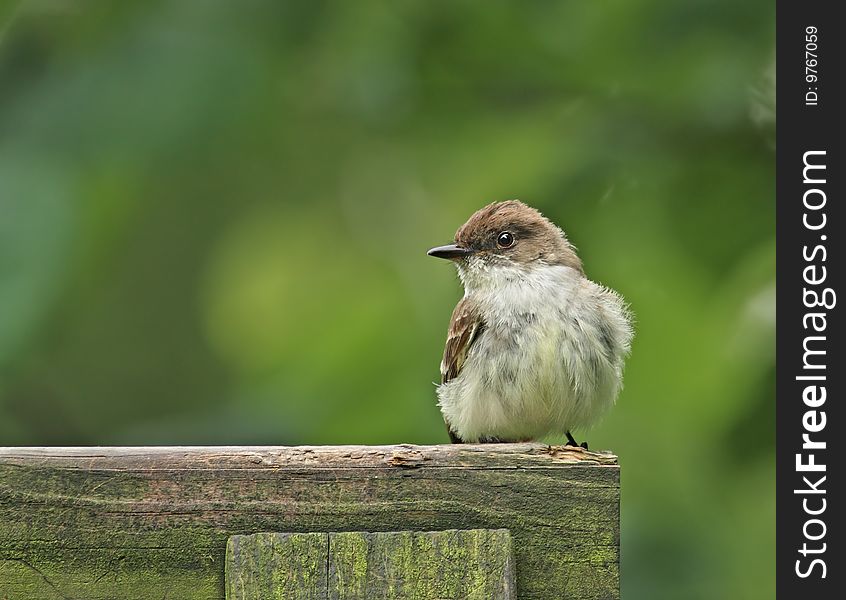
[505,240]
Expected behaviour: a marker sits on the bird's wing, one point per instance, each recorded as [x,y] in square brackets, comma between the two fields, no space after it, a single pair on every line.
[465,327]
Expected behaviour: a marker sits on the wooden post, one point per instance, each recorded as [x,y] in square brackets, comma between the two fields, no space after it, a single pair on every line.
[154,522]
[475,564]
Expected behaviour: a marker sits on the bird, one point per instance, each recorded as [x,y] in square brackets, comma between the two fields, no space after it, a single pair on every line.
[533,347]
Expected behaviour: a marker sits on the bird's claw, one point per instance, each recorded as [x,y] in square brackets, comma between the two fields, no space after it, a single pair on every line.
[571,441]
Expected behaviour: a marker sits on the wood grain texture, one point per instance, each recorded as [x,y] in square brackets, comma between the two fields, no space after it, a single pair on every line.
[281,566]
[123,523]
[475,564]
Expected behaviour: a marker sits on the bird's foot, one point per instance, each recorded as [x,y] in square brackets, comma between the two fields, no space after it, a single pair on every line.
[571,441]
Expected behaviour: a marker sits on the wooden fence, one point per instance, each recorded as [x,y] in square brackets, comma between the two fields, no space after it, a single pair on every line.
[483,522]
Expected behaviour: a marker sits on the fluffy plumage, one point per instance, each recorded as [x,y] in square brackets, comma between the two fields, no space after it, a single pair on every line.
[534,347]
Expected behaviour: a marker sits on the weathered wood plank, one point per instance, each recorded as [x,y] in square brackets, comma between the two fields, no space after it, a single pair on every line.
[121,523]
[484,456]
[281,566]
[474,564]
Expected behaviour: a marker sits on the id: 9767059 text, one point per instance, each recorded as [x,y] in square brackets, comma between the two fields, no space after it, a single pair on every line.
[811,62]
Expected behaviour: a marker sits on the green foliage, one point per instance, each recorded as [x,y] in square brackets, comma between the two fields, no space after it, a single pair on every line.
[213,224]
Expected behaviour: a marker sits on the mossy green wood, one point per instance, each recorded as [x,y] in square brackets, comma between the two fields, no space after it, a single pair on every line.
[474,564]
[277,566]
[122,523]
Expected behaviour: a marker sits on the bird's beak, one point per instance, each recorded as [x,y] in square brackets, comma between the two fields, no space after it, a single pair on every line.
[450,251]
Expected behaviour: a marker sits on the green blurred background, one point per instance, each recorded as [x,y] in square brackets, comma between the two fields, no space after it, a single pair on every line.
[214,218]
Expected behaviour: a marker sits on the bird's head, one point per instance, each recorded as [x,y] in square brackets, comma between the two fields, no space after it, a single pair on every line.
[507,237]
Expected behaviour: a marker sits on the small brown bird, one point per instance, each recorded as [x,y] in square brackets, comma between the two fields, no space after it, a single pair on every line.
[534,347]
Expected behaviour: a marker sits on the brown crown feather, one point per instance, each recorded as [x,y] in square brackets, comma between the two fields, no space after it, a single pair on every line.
[537,238]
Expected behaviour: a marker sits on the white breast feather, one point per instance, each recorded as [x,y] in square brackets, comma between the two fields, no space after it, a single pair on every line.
[549,360]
